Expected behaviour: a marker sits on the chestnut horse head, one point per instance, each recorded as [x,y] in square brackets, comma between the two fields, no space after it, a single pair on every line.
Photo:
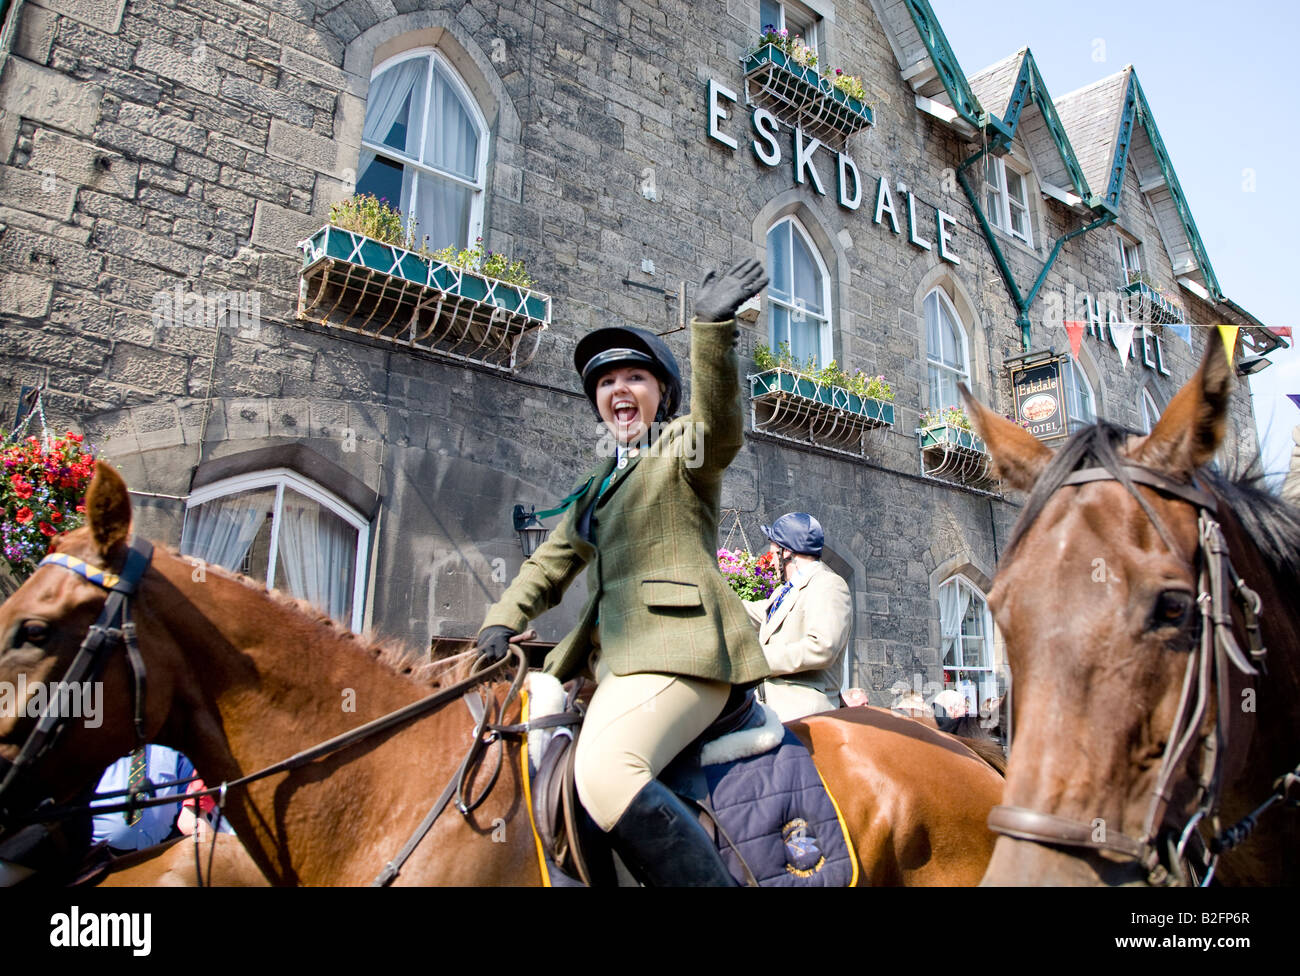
[1135,715]
[239,679]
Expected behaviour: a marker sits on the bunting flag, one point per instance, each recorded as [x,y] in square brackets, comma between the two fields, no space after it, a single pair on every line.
[1075,330]
[1294,398]
[1122,332]
[1182,330]
[1283,330]
[1228,333]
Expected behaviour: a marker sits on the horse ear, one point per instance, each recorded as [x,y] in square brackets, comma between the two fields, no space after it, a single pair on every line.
[108,508]
[1189,431]
[1018,455]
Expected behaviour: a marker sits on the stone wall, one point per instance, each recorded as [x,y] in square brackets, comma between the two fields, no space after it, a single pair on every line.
[152,144]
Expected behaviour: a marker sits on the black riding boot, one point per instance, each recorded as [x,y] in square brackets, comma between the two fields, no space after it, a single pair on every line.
[663,844]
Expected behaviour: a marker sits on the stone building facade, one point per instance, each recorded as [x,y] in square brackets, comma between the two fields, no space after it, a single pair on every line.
[161,160]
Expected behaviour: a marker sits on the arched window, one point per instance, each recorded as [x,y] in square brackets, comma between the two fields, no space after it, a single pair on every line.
[1150,411]
[1079,403]
[424,147]
[945,350]
[286,531]
[966,641]
[799,293]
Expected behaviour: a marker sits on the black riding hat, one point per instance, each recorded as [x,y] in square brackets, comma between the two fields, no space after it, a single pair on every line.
[624,346]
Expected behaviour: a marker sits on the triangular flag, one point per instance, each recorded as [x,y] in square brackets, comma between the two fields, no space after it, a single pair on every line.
[1283,330]
[1228,333]
[1075,329]
[1294,398]
[1182,330]
[1122,333]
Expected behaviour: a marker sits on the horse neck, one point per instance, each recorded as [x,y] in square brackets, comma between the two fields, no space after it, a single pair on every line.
[257,681]
[1275,736]
[262,680]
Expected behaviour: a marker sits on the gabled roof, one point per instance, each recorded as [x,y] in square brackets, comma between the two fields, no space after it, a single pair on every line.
[1112,128]
[1015,88]
[1090,116]
[1097,132]
[928,64]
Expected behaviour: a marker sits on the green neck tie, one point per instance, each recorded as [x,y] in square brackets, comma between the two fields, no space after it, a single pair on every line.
[135,779]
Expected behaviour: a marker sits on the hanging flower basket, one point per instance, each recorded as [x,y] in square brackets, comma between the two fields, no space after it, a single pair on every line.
[751,577]
[42,494]
[799,96]
[797,407]
[357,284]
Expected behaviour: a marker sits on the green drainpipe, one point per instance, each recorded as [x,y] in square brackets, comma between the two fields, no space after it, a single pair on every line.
[1023,303]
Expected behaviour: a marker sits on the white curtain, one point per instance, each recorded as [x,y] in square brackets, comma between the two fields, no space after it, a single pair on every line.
[222,530]
[388,101]
[317,556]
[953,601]
[451,145]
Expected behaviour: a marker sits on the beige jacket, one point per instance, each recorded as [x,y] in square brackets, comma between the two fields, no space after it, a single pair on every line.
[804,642]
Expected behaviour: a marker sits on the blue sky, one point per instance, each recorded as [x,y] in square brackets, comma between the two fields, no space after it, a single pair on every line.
[1219,84]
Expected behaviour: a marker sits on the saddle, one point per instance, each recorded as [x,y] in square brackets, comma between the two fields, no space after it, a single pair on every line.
[743,762]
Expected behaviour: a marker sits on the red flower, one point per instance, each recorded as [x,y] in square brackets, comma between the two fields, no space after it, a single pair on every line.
[81,507]
[21,488]
[24,515]
[56,515]
[47,529]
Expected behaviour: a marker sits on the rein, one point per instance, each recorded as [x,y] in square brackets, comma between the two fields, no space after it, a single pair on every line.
[115,626]
[1209,663]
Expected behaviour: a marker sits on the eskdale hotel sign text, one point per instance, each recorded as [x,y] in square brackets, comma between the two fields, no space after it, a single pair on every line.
[769,150]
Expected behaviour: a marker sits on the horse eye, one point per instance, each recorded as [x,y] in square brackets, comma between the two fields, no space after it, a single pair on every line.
[1173,609]
[34,631]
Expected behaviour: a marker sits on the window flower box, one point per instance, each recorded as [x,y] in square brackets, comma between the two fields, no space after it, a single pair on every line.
[799,96]
[383,291]
[953,453]
[1154,306]
[798,408]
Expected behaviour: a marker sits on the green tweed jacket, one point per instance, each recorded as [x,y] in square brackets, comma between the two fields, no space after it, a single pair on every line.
[651,546]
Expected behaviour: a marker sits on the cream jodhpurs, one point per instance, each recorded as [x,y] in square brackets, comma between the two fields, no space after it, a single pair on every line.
[635,726]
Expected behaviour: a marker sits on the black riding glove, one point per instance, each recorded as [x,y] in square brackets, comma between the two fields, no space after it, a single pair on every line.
[721,294]
[494,642]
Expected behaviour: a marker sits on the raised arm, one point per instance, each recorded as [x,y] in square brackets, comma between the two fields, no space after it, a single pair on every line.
[717,432]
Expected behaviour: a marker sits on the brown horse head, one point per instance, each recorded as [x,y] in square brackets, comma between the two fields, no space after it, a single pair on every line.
[42,625]
[1096,596]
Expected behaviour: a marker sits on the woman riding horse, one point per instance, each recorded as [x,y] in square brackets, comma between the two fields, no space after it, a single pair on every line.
[661,632]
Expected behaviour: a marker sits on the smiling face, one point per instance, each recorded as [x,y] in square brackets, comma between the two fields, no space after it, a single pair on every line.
[627,399]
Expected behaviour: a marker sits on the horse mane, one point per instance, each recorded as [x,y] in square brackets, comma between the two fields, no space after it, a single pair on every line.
[1272,524]
[391,653]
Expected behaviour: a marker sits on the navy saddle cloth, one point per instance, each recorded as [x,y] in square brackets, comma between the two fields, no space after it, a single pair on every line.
[775,809]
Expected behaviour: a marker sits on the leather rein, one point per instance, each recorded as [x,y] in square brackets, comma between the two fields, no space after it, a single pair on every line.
[115,628]
[1209,663]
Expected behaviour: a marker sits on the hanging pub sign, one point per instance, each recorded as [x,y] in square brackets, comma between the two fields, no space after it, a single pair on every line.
[1039,396]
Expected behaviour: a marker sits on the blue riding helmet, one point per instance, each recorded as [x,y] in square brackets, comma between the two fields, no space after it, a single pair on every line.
[604,349]
[798,532]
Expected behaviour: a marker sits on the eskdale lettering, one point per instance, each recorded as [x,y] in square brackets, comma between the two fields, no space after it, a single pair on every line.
[848,178]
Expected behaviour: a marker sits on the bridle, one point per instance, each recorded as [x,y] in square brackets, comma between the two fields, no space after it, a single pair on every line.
[114,627]
[1209,663]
